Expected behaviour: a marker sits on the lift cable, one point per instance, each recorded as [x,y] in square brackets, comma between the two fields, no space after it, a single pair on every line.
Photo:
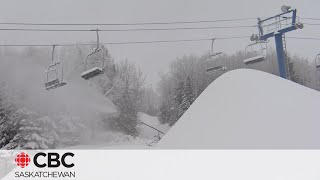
[312,24]
[129,42]
[124,30]
[145,42]
[136,24]
[304,38]
[125,24]
[310,18]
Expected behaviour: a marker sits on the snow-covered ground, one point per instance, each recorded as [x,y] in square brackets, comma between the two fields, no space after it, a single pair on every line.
[116,140]
[249,109]
[147,132]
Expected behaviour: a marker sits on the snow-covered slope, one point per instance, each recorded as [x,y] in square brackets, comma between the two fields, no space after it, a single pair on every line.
[249,109]
[147,132]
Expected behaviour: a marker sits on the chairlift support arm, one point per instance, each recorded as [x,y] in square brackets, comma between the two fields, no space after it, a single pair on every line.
[279,37]
[98,39]
[212,43]
[52,54]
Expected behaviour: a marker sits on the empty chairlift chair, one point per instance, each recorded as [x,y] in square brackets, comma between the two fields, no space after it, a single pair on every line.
[257,51]
[95,60]
[53,78]
[215,69]
[213,56]
[54,74]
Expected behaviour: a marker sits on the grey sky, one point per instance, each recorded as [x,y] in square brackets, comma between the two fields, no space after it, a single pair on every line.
[153,58]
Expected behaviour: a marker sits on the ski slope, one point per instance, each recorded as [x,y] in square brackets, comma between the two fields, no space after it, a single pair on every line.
[147,132]
[249,109]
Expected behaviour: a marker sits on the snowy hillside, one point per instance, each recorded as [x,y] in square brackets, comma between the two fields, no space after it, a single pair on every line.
[116,140]
[147,132]
[249,109]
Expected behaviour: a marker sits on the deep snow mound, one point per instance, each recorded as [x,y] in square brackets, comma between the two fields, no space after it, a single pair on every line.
[249,109]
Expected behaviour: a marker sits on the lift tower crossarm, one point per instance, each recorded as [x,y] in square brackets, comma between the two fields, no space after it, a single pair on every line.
[276,26]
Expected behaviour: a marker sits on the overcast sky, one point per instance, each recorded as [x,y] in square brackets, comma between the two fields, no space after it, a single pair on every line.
[154,58]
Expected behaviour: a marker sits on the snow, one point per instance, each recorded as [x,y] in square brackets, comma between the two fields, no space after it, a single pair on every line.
[147,132]
[249,109]
[91,70]
[254,59]
[117,140]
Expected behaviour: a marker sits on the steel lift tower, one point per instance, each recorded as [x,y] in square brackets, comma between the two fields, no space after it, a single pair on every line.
[276,26]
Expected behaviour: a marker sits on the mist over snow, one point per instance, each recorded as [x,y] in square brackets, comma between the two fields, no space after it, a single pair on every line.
[25,77]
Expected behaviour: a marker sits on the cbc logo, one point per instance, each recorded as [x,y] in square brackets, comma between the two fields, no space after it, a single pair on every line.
[22,160]
[42,160]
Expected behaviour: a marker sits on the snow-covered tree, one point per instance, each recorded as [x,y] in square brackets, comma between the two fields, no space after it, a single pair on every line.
[188,95]
[8,117]
[32,132]
[127,120]
[70,129]
[164,114]
[178,98]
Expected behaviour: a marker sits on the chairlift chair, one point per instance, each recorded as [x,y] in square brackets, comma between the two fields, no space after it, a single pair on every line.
[94,59]
[215,69]
[54,74]
[213,55]
[258,49]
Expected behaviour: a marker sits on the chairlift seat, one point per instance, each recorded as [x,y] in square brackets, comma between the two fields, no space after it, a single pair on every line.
[215,69]
[254,59]
[91,73]
[54,84]
[318,66]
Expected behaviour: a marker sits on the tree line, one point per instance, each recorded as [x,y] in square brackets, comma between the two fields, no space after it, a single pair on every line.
[186,78]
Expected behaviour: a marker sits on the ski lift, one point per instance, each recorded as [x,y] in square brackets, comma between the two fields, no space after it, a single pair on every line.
[95,60]
[317,66]
[213,55]
[259,51]
[215,69]
[54,74]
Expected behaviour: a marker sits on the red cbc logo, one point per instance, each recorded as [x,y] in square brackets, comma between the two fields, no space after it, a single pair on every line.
[23,160]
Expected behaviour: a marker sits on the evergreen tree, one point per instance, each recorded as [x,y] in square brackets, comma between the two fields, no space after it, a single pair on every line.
[30,134]
[127,120]
[8,118]
[164,113]
[292,72]
[188,95]
[178,98]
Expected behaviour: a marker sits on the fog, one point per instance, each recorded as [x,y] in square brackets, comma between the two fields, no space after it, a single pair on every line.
[23,72]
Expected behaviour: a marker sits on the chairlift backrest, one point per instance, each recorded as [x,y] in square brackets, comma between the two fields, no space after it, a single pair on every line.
[258,47]
[257,51]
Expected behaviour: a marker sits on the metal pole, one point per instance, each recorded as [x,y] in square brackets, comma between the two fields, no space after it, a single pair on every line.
[280,55]
[52,54]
